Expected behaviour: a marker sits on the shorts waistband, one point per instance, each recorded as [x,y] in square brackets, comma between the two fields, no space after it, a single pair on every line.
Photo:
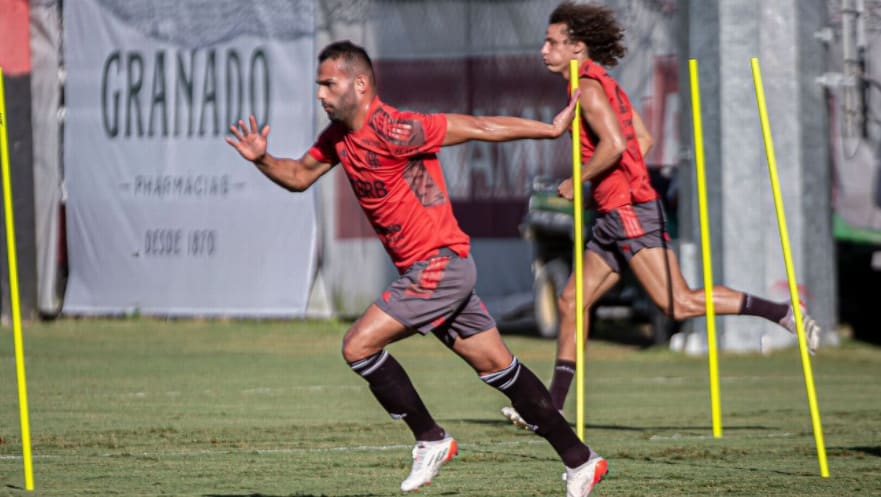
[446,251]
[441,252]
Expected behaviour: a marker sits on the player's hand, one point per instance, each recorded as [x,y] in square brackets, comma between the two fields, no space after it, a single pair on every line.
[562,120]
[250,143]
[565,189]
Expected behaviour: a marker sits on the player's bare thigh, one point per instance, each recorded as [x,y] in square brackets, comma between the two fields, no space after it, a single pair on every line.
[656,274]
[486,352]
[657,270]
[596,273]
[371,333]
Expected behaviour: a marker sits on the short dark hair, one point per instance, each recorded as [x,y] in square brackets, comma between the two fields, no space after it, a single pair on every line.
[353,56]
[596,26]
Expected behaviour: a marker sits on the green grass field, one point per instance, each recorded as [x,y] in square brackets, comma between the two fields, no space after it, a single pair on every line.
[228,409]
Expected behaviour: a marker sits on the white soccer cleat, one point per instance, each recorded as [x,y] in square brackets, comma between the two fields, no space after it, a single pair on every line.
[581,480]
[428,457]
[516,418]
[812,329]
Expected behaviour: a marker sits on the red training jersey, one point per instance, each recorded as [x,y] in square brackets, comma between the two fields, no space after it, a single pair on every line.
[628,181]
[398,181]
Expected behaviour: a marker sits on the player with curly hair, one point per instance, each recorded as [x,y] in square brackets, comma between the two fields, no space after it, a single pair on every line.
[629,229]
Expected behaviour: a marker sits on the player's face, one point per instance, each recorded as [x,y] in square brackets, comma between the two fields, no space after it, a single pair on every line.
[557,49]
[336,90]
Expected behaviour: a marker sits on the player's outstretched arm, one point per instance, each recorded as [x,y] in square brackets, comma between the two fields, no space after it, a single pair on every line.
[294,175]
[463,127]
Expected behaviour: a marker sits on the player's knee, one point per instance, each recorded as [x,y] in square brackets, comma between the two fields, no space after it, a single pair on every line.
[354,348]
[348,352]
[566,303]
[566,306]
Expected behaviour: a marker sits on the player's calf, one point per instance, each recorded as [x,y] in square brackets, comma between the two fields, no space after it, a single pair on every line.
[533,402]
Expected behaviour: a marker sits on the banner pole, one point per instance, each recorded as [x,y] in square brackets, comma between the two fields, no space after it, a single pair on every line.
[578,254]
[790,269]
[14,303]
[706,253]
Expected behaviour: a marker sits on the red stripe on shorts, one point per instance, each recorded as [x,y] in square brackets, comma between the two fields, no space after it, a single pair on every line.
[630,221]
[429,278]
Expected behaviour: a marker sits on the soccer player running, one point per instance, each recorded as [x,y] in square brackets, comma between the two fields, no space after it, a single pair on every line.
[390,158]
[629,226]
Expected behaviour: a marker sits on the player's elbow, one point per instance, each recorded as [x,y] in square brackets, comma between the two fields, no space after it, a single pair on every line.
[298,187]
[300,180]
[617,146]
[293,184]
[647,141]
[500,129]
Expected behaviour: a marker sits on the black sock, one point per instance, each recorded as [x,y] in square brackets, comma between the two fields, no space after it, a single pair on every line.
[755,306]
[564,371]
[531,399]
[392,388]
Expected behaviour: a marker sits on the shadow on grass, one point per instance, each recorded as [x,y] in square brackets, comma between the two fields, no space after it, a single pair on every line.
[616,331]
[742,467]
[872,451]
[289,495]
[505,422]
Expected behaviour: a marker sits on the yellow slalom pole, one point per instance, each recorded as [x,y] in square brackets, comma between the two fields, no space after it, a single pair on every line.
[578,255]
[706,256]
[790,271]
[13,296]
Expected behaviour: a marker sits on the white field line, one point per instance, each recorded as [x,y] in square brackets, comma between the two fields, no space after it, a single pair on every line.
[653,380]
[356,448]
[249,391]
[313,450]
[362,448]
[677,380]
[679,436]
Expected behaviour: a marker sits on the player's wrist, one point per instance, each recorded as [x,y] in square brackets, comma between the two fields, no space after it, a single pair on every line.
[261,160]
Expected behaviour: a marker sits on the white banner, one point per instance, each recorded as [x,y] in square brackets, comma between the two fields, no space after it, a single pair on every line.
[163,216]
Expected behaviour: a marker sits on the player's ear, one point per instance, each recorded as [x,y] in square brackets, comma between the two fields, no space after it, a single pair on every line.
[361,83]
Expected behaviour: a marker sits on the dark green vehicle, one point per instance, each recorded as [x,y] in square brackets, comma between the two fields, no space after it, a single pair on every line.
[858,253]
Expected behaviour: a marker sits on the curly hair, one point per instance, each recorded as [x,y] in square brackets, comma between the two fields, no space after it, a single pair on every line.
[594,25]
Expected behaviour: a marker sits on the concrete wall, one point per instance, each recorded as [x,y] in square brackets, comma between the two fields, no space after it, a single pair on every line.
[747,253]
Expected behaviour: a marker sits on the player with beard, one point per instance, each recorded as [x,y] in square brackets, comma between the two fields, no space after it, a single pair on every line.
[390,159]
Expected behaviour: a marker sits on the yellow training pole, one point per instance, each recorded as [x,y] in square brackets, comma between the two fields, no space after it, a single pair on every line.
[578,255]
[790,271]
[13,296]
[706,256]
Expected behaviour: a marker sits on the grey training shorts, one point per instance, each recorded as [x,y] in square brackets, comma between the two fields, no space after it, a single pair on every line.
[619,234]
[437,295]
